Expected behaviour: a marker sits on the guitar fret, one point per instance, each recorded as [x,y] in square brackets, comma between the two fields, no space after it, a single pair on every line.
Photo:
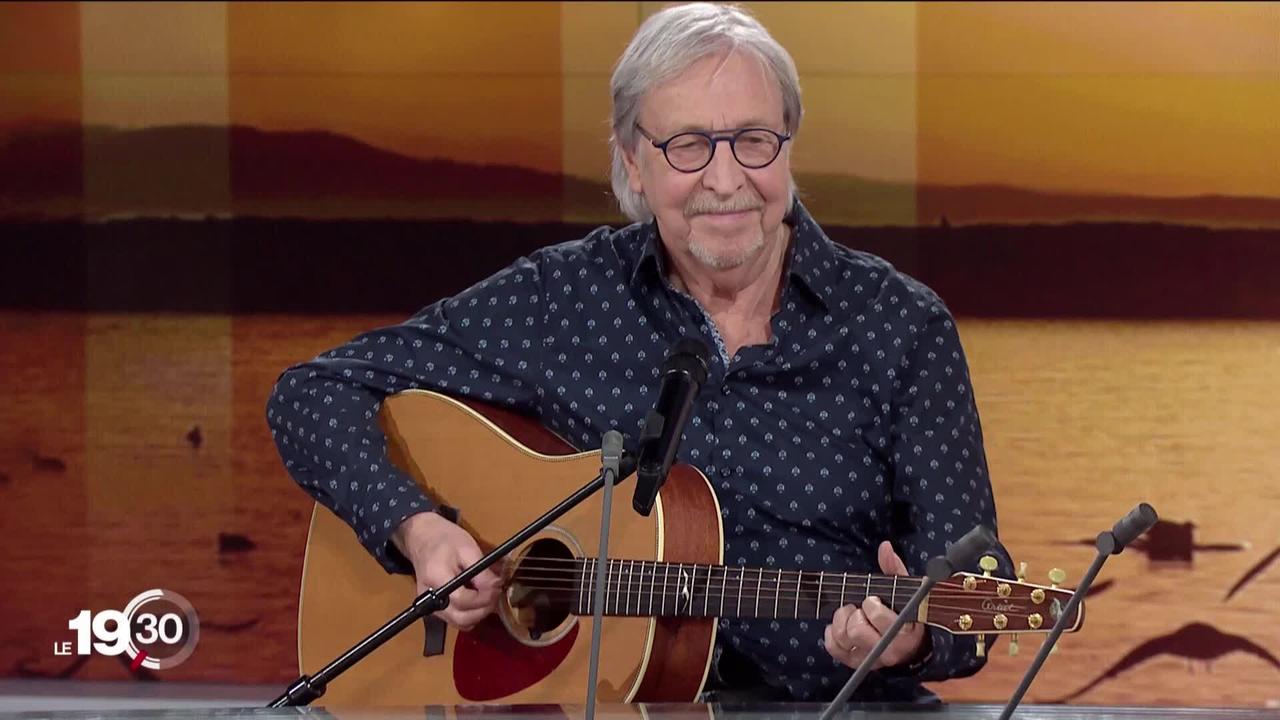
[617,585]
[759,586]
[867,594]
[693,587]
[844,579]
[742,572]
[706,601]
[591,585]
[777,592]
[589,593]
[651,583]
[630,572]
[582,580]
[666,569]
[724,582]
[893,598]
[608,584]
[818,612]
[799,575]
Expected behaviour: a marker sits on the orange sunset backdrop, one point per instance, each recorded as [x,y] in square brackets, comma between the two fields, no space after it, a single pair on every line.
[194,196]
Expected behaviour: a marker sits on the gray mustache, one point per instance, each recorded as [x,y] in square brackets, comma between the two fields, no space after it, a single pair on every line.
[704,208]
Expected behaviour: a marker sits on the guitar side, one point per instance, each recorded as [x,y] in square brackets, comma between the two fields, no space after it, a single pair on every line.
[502,470]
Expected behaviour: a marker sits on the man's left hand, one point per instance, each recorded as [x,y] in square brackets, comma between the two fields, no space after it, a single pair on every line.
[855,630]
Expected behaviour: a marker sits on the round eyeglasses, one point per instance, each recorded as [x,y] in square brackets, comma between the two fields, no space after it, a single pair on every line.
[689,152]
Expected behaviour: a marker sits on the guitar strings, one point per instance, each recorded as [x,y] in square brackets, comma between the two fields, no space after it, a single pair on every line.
[904,583]
[878,584]
[620,579]
[619,603]
[622,586]
[620,566]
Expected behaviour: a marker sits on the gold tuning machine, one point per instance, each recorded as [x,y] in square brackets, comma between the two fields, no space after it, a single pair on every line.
[988,563]
[1056,576]
[982,645]
[1013,644]
[1022,572]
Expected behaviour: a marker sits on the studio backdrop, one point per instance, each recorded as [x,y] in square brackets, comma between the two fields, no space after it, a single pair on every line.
[195,196]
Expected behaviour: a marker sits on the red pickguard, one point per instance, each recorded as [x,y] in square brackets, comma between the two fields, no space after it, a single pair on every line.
[489,664]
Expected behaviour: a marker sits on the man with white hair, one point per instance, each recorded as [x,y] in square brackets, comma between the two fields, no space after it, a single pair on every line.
[837,424]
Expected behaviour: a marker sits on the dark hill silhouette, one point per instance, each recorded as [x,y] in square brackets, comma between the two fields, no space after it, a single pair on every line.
[239,170]
[184,170]
[270,265]
[844,200]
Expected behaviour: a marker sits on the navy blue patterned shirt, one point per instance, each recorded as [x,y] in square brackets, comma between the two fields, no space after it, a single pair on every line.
[856,423]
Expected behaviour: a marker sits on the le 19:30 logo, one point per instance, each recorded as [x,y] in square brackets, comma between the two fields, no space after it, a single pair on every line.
[158,630]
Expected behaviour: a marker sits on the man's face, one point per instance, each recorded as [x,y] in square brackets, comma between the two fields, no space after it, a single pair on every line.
[723,215]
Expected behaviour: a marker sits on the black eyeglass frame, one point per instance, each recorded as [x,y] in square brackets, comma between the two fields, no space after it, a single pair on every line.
[715,139]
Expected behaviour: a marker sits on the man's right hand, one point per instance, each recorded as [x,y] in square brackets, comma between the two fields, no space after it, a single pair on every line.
[439,550]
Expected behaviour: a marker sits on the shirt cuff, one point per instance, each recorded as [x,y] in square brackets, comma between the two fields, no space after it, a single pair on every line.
[917,664]
[384,511]
[951,656]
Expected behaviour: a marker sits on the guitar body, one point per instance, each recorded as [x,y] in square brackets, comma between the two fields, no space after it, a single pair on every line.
[501,471]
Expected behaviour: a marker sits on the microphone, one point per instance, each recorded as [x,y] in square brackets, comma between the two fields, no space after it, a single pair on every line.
[1126,530]
[683,373]
[962,553]
[611,455]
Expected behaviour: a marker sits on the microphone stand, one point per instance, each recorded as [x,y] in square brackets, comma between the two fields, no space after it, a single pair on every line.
[308,689]
[962,553]
[1139,520]
[612,454]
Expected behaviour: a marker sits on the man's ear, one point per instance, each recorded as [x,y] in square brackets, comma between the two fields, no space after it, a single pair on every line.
[632,165]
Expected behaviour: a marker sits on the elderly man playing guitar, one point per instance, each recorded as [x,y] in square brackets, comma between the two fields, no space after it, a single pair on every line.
[837,426]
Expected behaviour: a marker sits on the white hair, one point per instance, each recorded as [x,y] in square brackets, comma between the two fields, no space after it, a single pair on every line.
[667,44]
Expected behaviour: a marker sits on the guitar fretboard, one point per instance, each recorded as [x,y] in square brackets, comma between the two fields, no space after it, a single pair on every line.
[644,588]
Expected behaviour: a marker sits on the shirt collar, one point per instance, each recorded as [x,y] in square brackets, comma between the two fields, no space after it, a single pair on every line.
[811,258]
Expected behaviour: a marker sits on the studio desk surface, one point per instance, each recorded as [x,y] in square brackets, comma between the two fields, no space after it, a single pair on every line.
[669,712]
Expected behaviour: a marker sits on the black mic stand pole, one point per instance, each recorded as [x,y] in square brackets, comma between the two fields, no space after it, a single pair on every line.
[306,690]
[1139,520]
[962,553]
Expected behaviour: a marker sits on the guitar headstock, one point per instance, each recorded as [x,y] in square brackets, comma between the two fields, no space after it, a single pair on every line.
[983,604]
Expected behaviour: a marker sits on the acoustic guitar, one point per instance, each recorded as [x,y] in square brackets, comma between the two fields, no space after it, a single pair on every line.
[666,584]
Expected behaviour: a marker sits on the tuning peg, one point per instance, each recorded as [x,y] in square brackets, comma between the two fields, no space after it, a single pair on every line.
[1022,572]
[1056,576]
[982,645]
[988,563]
[1013,644]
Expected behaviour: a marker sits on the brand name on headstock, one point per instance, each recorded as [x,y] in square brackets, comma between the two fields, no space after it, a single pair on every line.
[1002,606]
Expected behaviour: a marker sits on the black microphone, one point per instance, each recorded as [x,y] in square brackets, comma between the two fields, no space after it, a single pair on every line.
[962,553]
[683,373]
[1126,530]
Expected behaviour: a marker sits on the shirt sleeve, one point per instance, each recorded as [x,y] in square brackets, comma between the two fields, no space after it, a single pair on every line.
[940,468]
[483,344]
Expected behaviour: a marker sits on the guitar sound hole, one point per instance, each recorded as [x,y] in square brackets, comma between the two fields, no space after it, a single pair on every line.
[541,591]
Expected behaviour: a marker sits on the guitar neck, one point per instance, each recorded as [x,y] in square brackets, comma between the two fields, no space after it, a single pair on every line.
[642,588]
